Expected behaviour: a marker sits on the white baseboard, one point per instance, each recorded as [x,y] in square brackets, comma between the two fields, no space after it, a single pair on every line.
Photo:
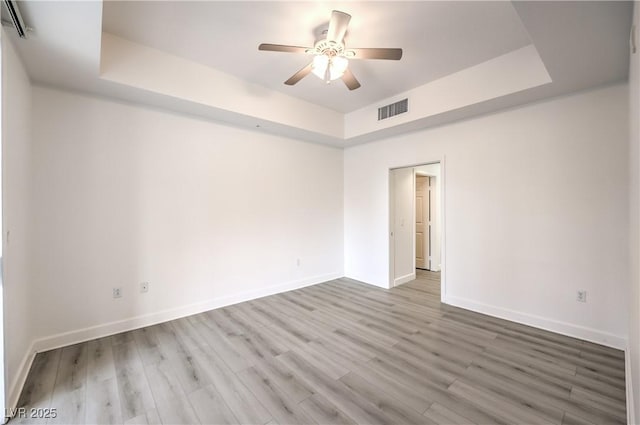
[631,413]
[86,334]
[576,331]
[15,387]
[404,279]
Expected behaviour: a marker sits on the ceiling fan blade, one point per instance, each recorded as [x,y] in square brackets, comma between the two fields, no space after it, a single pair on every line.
[380,53]
[350,80]
[282,48]
[338,26]
[299,75]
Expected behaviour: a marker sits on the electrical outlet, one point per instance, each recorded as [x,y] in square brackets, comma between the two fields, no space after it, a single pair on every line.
[117,292]
[144,287]
[298,262]
[582,296]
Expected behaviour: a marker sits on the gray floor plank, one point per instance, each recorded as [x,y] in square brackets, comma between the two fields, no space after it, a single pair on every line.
[148,345]
[277,372]
[440,415]
[244,405]
[335,391]
[395,409]
[210,407]
[323,412]
[70,405]
[496,405]
[273,398]
[148,418]
[103,402]
[133,387]
[100,364]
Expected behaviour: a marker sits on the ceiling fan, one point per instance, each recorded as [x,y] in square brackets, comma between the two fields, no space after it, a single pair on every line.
[331,57]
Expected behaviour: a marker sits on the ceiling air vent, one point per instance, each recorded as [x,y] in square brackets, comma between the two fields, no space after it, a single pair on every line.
[394,109]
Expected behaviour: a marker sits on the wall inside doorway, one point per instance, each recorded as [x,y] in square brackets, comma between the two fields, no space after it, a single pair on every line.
[433,170]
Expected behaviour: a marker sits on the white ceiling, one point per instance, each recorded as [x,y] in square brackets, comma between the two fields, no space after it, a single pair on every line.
[581,44]
[437,38]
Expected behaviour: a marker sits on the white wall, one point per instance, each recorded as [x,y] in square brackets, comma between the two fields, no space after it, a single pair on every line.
[403,218]
[633,362]
[208,214]
[16,178]
[433,170]
[528,220]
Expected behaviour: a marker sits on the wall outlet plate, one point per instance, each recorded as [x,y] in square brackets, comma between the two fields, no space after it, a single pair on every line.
[117,292]
[144,287]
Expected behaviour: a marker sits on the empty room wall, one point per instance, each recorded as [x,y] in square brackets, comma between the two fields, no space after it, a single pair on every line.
[208,214]
[16,178]
[535,205]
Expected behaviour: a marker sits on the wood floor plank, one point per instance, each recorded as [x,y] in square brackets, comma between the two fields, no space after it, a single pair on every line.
[508,389]
[243,404]
[148,418]
[188,335]
[395,409]
[411,395]
[273,398]
[219,343]
[100,364]
[525,376]
[69,394]
[436,393]
[133,388]
[72,370]
[323,412]
[606,404]
[70,405]
[210,407]
[103,402]
[148,345]
[277,372]
[440,415]
[497,405]
[336,392]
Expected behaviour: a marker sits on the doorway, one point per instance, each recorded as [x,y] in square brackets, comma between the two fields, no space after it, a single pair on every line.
[416,223]
[427,205]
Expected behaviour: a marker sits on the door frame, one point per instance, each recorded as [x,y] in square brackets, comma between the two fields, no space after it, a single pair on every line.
[443,221]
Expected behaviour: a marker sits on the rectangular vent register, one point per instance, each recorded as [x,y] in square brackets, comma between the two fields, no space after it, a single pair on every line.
[393,109]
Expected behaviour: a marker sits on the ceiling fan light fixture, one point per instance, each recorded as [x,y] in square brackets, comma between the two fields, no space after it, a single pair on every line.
[331,59]
[337,66]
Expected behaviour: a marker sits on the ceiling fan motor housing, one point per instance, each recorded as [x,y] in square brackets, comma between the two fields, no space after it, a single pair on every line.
[328,48]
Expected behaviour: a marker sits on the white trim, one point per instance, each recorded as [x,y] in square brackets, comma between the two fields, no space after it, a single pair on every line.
[391,230]
[19,380]
[564,328]
[443,229]
[413,219]
[86,334]
[404,279]
[631,413]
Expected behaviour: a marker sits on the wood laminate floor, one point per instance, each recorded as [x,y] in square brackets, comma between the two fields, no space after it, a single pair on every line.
[338,352]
